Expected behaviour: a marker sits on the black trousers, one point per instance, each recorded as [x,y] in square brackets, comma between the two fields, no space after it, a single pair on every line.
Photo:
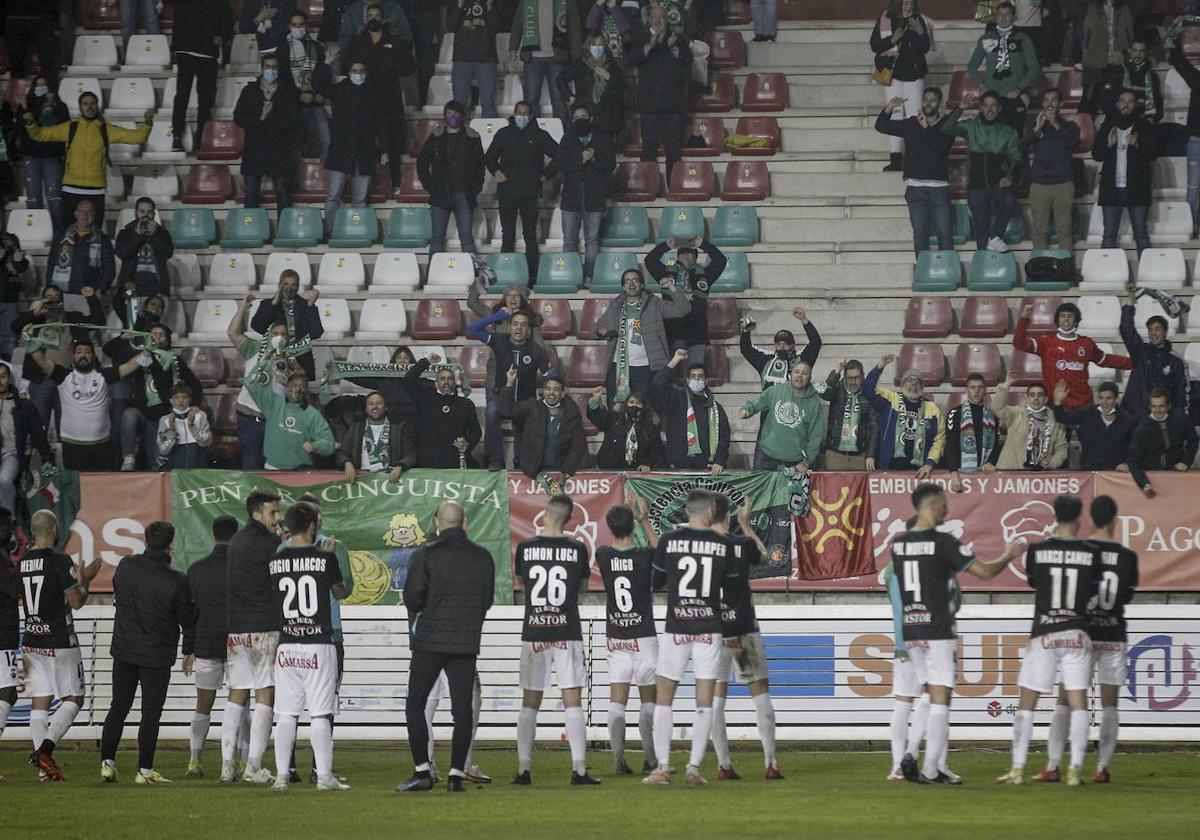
[95,457]
[396,127]
[666,129]
[528,210]
[204,72]
[126,679]
[423,672]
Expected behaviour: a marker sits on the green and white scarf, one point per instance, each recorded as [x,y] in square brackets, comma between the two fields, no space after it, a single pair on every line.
[851,411]
[61,275]
[531,29]
[379,453]
[336,370]
[776,371]
[910,429]
[168,362]
[48,335]
[693,429]
[631,445]
[972,455]
[1151,107]
[630,313]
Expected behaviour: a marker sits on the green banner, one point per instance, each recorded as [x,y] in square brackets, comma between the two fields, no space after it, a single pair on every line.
[381,523]
[768,492]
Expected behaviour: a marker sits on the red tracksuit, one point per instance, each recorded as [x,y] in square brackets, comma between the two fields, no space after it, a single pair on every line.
[1067,359]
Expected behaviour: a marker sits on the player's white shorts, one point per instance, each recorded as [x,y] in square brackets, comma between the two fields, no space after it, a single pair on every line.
[1109,660]
[210,674]
[633,661]
[566,658]
[748,652]
[674,651]
[305,677]
[1068,650]
[9,659]
[251,662]
[934,661]
[904,678]
[54,672]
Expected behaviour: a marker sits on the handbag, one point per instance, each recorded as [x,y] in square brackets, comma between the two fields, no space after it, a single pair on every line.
[882,76]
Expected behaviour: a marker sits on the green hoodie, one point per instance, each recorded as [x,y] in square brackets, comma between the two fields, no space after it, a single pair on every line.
[288,425]
[791,427]
[1022,57]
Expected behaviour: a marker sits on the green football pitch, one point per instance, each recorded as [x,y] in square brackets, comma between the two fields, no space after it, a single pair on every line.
[825,794]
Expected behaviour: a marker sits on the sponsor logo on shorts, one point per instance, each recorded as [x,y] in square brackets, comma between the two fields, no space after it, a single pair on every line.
[703,638]
[917,643]
[236,640]
[51,652]
[541,647]
[1075,642]
[624,644]
[305,661]
[734,642]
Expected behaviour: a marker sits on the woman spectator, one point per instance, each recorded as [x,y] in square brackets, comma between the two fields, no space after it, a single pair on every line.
[606,19]
[20,424]
[900,40]
[598,81]
[515,299]
[43,162]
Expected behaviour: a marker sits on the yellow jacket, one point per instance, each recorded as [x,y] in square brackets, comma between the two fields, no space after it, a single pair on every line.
[85,156]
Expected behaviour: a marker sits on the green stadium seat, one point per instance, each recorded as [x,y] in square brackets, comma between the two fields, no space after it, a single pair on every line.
[736,276]
[510,269]
[737,225]
[1040,286]
[193,227]
[625,227]
[680,222]
[992,271]
[962,226]
[409,227]
[246,227]
[559,274]
[610,265]
[1014,234]
[354,227]
[299,227]
[937,271]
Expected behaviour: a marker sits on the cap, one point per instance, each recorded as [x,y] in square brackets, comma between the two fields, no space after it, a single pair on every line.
[913,373]
[785,335]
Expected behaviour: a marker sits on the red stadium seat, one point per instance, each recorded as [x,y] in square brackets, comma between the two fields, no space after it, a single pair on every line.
[588,365]
[1070,89]
[722,317]
[100,15]
[1087,130]
[926,358]
[638,181]
[711,130]
[381,185]
[977,358]
[764,127]
[633,139]
[984,316]
[208,363]
[421,133]
[438,319]
[222,140]
[1026,368]
[15,92]
[314,10]
[556,317]
[1041,320]
[956,398]
[553,360]
[964,92]
[581,400]
[208,183]
[928,317]
[592,309]
[692,181]
[737,12]
[411,191]
[765,92]
[267,191]
[1189,39]
[225,415]
[716,361]
[745,181]
[717,97]
[312,181]
[727,50]
[474,361]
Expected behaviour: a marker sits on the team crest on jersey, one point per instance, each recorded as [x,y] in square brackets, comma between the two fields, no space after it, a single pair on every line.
[1081,352]
[289,422]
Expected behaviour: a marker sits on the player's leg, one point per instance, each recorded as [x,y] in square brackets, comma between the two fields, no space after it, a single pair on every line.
[474,773]
[572,675]
[534,679]
[321,689]
[753,671]
[1109,727]
[1076,664]
[898,731]
[154,682]
[1056,740]
[263,648]
[618,698]
[908,676]
[290,692]
[124,688]
[1036,677]
[8,685]
[673,655]
[231,725]
[720,735]
[460,673]
[425,670]
[67,675]
[941,674]
[648,696]
[707,665]
[285,742]
[919,723]
[201,723]
[441,688]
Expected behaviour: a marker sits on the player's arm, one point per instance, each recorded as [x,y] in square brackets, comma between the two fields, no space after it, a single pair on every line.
[77,589]
[987,571]
[743,518]
[658,567]
[642,514]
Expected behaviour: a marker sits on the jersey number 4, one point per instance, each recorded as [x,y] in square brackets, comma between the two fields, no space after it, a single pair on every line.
[690,566]
[33,594]
[299,597]
[549,586]
[912,580]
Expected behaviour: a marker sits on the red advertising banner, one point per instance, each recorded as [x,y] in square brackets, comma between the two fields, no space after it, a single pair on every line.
[1164,531]
[114,510]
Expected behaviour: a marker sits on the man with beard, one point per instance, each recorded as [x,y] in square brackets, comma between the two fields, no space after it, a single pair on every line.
[911,436]
[1136,73]
[690,330]
[791,431]
[300,313]
[295,431]
[447,425]
[852,430]
[773,366]
[1066,354]
[993,158]
[632,438]
[552,438]
[377,443]
[1154,363]
[58,342]
[972,434]
[1105,429]
[1126,147]
[1035,440]
[1165,440]
[144,246]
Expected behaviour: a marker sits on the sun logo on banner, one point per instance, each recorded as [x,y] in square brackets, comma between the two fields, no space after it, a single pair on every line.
[834,520]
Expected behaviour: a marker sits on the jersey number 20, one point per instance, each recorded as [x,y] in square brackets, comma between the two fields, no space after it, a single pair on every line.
[299,597]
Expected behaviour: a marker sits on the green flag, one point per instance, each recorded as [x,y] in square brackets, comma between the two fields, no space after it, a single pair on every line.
[58,492]
[381,523]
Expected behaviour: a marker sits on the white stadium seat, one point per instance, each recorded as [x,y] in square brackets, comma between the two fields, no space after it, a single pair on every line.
[510,93]
[424,351]
[1100,315]
[396,273]
[381,319]
[159,182]
[243,54]
[440,93]
[115,183]
[1104,269]
[552,126]
[33,227]
[229,88]
[147,51]
[162,136]
[1191,356]
[335,317]
[70,88]
[93,54]
[280,261]
[1162,268]
[1097,374]
[234,271]
[1193,317]
[1148,307]
[168,102]
[375,354]
[341,273]
[130,98]
[175,318]
[185,272]
[487,128]
[210,321]
[449,273]
[446,53]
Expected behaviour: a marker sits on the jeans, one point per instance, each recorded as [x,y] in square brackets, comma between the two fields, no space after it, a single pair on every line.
[991,208]
[10,471]
[423,672]
[316,123]
[9,312]
[528,210]
[590,221]
[204,72]
[1138,215]
[283,191]
[1193,172]
[640,380]
[538,70]
[461,208]
[930,207]
[666,129]
[483,73]
[135,425]
[764,13]
[131,10]
[43,185]
[44,395]
[250,434]
[126,677]
[360,185]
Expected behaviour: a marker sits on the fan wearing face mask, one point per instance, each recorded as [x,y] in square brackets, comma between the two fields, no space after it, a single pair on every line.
[299,312]
[597,80]
[251,425]
[295,430]
[1035,440]
[632,437]
[695,424]
[268,112]
[183,435]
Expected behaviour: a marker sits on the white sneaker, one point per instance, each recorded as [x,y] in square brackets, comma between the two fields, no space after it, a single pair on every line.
[261,776]
[281,785]
[127,463]
[228,772]
[997,244]
[331,783]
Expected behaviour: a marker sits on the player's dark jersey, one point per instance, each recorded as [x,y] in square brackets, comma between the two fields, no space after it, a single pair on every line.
[737,607]
[1118,580]
[692,562]
[627,580]
[551,570]
[1063,574]
[303,578]
[926,565]
[10,593]
[46,577]
[250,599]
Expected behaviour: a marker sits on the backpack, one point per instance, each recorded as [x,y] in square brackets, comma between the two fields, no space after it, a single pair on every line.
[1049,270]
[103,136]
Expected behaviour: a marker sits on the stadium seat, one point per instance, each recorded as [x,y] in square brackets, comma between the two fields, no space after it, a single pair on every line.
[692,181]
[735,226]
[473,359]
[1104,269]
[1099,314]
[341,274]
[964,92]
[158,146]
[1041,319]
[100,14]
[411,191]
[581,400]
[208,363]
[246,228]
[588,365]
[1099,374]
[168,100]
[229,88]
[193,227]
[984,316]
[299,227]
[1162,268]
[208,183]
[559,273]
[34,228]
[556,317]
[396,273]
[485,127]
[409,227]
[373,354]
[158,182]
[243,54]
[926,358]
[210,321]
[1070,88]
[1087,131]
[962,226]
[335,317]
[281,261]
[716,362]
[592,309]
[765,92]
[736,276]
[737,13]
[552,126]
[978,358]
[354,227]
[745,181]
[381,319]
[450,273]
[764,127]
[312,182]
[937,271]
[510,269]
[709,129]
[717,97]
[928,317]
[70,88]
[1025,368]
[637,181]
[147,51]
[727,50]
[625,227]
[680,222]
[633,139]
[93,54]
[185,272]
[722,318]
[992,271]
[1048,285]
[130,98]
[610,265]
[1147,307]
[424,127]
[222,140]
[438,319]
[233,271]
[225,413]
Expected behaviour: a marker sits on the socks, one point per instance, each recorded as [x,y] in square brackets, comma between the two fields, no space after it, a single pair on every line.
[526,731]
[919,722]
[200,726]
[476,706]
[577,738]
[1056,741]
[937,738]
[1079,737]
[646,729]
[720,734]
[764,714]
[260,734]
[899,731]
[39,722]
[664,725]
[320,735]
[63,717]
[5,708]
[285,739]
[231,722]
[1022,732]
[1109,724]
[701,730]
[616,730]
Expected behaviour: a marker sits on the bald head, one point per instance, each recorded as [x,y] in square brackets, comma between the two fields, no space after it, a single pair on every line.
[44,525]
[449,515]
